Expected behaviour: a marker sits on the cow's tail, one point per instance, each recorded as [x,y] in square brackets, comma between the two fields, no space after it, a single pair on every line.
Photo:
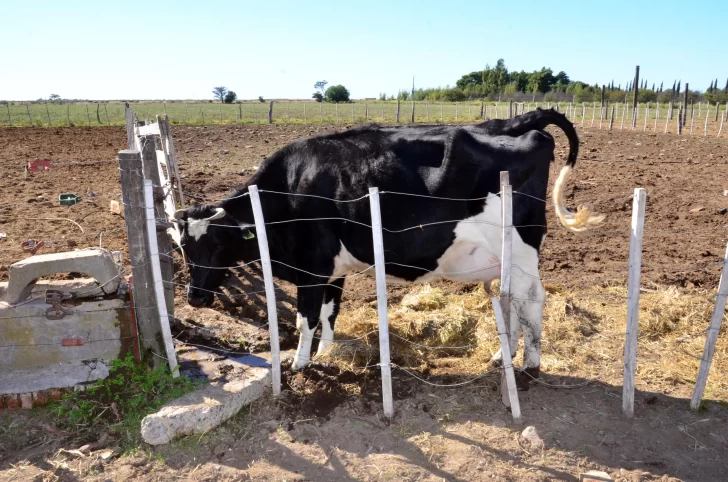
[583,218]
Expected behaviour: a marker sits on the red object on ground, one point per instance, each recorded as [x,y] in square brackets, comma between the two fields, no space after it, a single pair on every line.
[37,165]
[31,245]
[73,342]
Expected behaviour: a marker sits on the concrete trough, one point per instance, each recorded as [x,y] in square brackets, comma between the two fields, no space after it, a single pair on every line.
[60,334]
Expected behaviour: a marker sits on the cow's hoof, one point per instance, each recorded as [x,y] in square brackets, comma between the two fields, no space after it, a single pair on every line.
[525,377]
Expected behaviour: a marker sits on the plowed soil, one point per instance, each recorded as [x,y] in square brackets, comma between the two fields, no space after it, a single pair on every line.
[328,424]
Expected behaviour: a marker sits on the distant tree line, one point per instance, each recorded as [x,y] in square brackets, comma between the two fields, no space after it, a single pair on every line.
[495,82]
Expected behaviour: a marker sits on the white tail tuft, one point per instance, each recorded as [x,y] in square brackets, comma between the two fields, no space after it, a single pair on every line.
[576,222]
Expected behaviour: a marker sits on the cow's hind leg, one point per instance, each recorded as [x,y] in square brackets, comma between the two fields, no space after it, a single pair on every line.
[309,310]
[527,307]
[329,312]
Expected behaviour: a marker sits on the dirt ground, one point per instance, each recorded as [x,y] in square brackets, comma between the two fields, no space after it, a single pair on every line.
[327,425]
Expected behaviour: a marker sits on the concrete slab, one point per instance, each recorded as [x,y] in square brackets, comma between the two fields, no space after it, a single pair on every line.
[36,379]
[96,262]
[204,409]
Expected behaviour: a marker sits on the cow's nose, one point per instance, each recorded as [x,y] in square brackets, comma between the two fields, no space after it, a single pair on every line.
[196,301]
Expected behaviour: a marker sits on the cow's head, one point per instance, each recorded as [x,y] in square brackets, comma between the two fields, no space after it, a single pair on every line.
[211,240]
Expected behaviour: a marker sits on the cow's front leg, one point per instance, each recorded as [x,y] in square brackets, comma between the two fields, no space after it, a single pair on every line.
[309,310]
[329,312]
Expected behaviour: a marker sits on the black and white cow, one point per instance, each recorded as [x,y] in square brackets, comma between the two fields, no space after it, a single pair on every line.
[441,165]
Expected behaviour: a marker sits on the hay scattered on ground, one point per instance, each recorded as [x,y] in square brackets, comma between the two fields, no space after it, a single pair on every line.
[583,335]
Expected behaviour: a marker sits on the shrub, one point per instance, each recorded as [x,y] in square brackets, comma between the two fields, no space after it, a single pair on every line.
[337,93]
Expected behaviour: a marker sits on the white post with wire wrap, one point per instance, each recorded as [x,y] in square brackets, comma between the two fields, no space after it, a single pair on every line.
[506,247]
[270,294]
[384,359]
[510,377]
[633,300]
[712,338]
[157,277]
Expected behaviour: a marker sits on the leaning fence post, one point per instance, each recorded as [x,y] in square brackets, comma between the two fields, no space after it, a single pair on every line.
[506,248]
[508,376]
[132,195]
[270,293]
[722,119]
[611,118]
[384,360]
[157,277]
[633,300]
[710,340]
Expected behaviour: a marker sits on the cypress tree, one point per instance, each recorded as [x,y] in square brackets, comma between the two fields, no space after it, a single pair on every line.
[653,86]
[725,91]
[674,82]
[661,84]
[678,86]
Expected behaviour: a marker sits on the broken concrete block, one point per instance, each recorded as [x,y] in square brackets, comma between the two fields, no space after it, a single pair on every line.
[202,410]
[97,263]
[116,207]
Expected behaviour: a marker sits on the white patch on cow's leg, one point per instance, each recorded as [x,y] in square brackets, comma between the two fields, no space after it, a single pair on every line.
[528,301]
[303,351]
[327,332]
[531,322]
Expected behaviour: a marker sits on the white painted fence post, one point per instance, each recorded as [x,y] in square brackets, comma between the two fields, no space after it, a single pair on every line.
[710,340]
[506,248]
[633,300]
[509,376]
[707,114]
[270,293]
[621,124]
[379,268]
[722,119]
[657,116]
[157,277]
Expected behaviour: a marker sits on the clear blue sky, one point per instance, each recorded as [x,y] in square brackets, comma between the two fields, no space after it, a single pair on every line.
[158,49]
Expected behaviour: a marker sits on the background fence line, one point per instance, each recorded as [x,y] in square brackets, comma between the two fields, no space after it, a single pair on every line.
[294,112]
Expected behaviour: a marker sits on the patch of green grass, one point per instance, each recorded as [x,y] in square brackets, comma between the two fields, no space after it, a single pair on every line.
[120,401]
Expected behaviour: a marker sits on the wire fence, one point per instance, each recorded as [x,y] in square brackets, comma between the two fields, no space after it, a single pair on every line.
[308,278]
[698,118]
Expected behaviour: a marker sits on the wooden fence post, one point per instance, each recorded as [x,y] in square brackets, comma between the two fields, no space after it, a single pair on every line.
[707,113]
[679,121]
[10,120]
[685,105]
[106,111]
[657,115]
[397,111]
[611,119]
[379,267]
[48,114]
[508,378]
[647,115]
[634,98]
[633,300]
[510,109]
[713,330]
[129,116]
[270,293]
[30,120]
[270,113]
[157,279]
[88,117]
[150,168]
[145,303]
[456,112]
[412,120]
[336,111]
[717,110]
